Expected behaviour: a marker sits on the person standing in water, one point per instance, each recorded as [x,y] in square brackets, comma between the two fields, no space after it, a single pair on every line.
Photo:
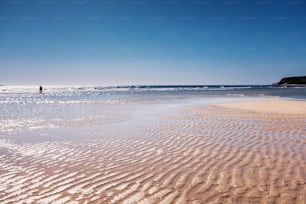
[40,89]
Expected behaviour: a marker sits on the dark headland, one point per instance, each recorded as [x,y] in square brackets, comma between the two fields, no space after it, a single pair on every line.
[297,80]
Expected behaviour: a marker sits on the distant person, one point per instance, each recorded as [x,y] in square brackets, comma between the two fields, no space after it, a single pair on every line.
[40,89]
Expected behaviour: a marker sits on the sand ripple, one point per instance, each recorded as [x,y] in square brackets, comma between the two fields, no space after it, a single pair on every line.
[198,154]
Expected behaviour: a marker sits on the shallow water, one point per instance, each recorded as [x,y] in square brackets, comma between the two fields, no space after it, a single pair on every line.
[22,108]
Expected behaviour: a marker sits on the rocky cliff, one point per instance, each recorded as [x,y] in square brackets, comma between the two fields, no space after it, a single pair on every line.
[300,80]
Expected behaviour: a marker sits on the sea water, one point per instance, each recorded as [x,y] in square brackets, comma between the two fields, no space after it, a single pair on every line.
[24,109]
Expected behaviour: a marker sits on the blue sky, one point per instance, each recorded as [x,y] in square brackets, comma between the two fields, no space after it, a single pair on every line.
[117,42]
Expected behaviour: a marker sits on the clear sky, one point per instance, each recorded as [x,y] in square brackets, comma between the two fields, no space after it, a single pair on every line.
[120,42]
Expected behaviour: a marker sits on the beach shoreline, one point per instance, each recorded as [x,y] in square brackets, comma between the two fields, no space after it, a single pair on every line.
[236,152]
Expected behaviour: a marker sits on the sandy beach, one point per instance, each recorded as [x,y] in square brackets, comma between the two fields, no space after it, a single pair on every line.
[242,152]
[280,107]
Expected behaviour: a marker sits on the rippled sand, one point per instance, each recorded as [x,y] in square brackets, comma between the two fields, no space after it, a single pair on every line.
[191,154]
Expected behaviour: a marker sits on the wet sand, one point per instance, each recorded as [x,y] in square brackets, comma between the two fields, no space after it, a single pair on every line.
[188,154]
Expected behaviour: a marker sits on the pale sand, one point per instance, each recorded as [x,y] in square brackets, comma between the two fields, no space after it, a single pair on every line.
[274,106]
[196,154]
